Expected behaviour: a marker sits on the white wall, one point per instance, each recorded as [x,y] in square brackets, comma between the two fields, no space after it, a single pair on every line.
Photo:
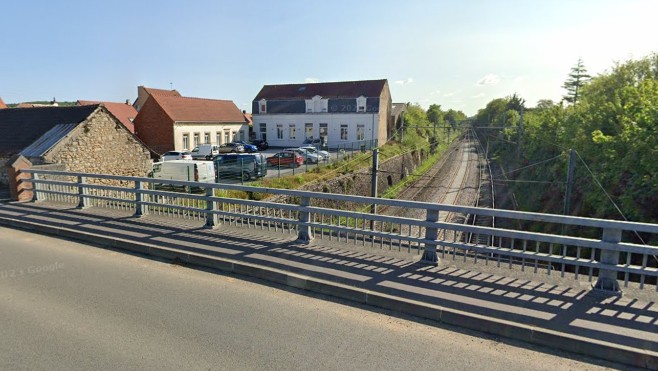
[202,128]
[370,122]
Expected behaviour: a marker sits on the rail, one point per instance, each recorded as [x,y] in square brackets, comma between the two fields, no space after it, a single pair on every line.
[602,250]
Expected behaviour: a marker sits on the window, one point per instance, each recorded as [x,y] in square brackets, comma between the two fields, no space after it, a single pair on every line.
[343,132]
[279,131]
[186,141]
[291,131]
[262,106]
[219,138]
[263,131]
[360,132]
[206,138]
[361,104]
[196,139]
[324,131]
[234,135]
[227,136]
[308,127]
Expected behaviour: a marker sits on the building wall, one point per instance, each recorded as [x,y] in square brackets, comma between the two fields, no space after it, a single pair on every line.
[154,127]
[371,122]
[212,128]
[102,145]
[4,181]
[385,103]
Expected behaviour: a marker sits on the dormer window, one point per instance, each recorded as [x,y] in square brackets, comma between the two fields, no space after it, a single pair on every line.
[361,104]
[262,106]
[317,104]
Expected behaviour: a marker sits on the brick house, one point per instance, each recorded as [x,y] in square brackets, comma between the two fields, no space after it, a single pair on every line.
[78,138]
[339,113]
[125,112]
[143,93]
[167,122]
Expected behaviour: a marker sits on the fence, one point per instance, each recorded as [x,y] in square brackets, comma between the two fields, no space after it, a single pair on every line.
[593,248]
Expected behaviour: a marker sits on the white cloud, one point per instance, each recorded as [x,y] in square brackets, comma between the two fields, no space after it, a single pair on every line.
[311,80]
[404,82]
[490,79]
[478,95]
[449,94]
[435,92]
[519,78]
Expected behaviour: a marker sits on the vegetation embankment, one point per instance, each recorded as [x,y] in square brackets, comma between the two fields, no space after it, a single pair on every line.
[610,121]
[417,134]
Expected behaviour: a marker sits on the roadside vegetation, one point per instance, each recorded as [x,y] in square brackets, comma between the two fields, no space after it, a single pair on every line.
[610,120]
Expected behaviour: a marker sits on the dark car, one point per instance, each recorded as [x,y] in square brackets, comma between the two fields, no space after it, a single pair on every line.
[261,144]
[244,166]
[286,158]
[247,147]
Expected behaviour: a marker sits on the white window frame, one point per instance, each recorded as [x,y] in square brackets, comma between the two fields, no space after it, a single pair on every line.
[186,141]
[360,132]
[279,131]
[292,132]
[344,132]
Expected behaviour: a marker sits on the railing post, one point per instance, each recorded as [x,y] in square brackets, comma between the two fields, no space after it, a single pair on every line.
[431,234]
[140,208]
[305,232]
[83,202]
[212,219]
[35,194]
[608,277]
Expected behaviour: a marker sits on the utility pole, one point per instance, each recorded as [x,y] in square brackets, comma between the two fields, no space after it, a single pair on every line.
[519,135]
[435,140]
[402,128]
[373,185]
[570,170]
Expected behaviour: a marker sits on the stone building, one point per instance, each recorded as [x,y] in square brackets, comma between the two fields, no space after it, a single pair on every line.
[79,138]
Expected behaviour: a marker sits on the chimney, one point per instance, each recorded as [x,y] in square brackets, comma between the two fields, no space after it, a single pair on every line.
[244,112]
[128,101]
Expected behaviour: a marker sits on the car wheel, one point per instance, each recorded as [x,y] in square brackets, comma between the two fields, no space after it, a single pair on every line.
[246,176]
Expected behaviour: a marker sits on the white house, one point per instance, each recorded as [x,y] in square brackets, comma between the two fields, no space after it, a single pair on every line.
[341,114]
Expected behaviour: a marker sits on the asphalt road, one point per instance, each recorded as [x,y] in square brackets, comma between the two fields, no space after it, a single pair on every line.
[64,305]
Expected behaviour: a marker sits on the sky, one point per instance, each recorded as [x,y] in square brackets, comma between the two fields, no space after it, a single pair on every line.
[458,54]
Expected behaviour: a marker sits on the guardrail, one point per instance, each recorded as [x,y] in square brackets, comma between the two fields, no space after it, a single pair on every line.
[594,248]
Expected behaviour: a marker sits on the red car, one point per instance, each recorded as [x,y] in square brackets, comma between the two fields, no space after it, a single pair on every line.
[291,159]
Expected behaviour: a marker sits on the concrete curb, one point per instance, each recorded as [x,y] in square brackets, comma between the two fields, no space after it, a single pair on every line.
[528,334]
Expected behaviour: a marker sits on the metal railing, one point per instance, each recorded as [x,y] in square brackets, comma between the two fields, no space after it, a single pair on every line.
[595,249]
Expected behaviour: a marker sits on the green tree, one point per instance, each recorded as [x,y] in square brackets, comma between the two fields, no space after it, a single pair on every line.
[578,77]
[434,114]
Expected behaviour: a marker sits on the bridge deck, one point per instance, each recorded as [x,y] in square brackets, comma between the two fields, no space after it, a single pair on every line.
[486,301]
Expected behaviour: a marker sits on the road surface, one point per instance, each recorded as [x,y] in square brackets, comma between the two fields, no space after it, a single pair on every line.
[65,305]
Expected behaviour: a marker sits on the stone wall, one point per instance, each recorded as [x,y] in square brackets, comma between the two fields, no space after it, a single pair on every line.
[358,183]
[4,179]
[102,145]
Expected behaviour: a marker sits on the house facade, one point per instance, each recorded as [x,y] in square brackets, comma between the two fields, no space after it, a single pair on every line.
[125,112]
[175,123]
[337,113]
[78,138]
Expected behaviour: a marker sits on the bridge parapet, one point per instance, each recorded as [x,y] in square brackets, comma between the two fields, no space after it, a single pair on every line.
[600,251]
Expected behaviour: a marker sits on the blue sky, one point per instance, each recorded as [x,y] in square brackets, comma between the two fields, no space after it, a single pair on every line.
[459,54]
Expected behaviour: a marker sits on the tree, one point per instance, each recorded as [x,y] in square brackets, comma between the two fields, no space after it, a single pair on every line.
[578,77]
[515,103]
[434,114]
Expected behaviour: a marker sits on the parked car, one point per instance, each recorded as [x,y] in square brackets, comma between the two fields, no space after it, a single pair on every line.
[261,144]
[176,155]
[231,147]
[310,158]
[285,158]
[247,147]
[205,152]
[317,142]
[245,166]
[321,153]
[185,170]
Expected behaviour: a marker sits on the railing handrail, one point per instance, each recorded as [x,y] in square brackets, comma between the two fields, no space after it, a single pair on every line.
[497,213]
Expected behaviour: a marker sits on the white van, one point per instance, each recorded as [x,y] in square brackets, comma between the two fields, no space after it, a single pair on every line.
[185,170]
[205,152]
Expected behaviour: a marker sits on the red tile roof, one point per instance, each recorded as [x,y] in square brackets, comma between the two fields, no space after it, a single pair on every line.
[199,110]
[162,92]
[2,104]
[125,113]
